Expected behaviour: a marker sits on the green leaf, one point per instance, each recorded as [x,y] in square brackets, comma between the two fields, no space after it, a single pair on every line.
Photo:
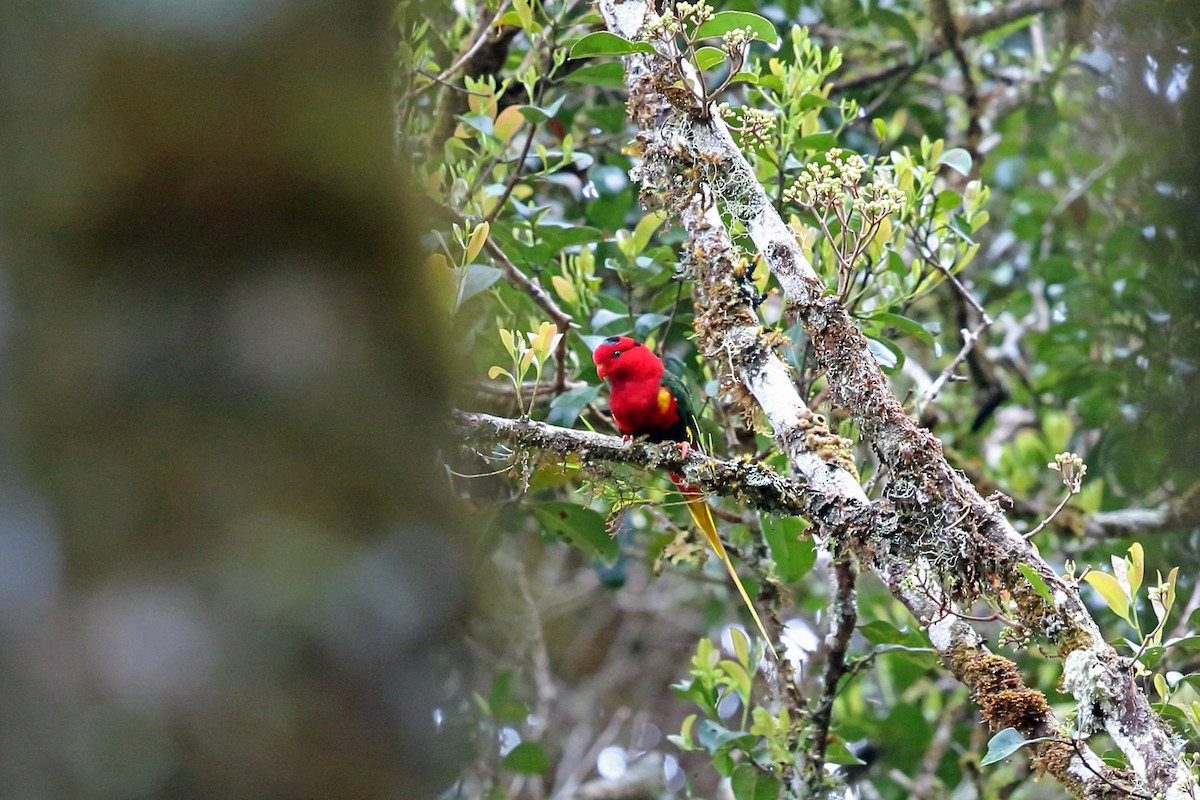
[725,21]
[818,142]
[1036,582]
[582,527]
[567,407]
[956,159]
[527,758]
[1112,592]
[744,77]
[1137,568]
[740,679]
[683,740]
[793,556]
[904,325]
[480,122]
[524,13]
[537,114]
[882,632]
[881,129]
[898,22]
[607,73]
[947,200]
[1003,745]
[714,736]
[748,782]
[501,705]
[709,57]
[837,753]
[475,278]
[603,43]
[741,645]
[648,322]
[645,228]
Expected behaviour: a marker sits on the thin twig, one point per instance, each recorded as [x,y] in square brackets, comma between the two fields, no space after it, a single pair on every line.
[485,30]
[532,287]
[970,337]
[843,615]
[1068,199]
[971,28]
[1042,525]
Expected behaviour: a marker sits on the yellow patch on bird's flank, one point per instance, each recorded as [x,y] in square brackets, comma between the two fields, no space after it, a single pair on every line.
[664,400]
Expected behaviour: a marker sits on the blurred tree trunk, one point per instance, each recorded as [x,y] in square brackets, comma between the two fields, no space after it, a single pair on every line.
[222,366]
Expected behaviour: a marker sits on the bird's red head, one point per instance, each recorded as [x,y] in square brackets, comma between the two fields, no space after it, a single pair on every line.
[620,357]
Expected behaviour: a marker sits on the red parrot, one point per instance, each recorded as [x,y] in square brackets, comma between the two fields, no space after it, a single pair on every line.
[647,400]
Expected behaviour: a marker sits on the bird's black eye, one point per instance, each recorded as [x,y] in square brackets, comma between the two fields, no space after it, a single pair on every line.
[617,353]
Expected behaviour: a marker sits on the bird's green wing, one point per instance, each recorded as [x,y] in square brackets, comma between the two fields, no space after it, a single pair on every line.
[683,405]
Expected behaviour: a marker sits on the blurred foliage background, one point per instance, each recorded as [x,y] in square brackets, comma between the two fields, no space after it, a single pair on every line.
[228,559]
[235,558]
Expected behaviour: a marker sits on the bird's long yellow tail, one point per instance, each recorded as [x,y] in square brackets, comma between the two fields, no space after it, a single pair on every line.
[702,515]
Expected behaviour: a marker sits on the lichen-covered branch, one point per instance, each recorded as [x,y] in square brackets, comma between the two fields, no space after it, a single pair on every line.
[954,544]
[995,684]
[748,481]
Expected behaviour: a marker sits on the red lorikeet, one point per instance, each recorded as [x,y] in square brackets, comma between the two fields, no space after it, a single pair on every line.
[647,400]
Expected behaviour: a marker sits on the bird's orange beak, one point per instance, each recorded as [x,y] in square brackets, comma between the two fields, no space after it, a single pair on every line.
[602,371]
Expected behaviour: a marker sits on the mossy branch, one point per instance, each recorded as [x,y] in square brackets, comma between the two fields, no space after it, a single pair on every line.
[749,482]
[952,539]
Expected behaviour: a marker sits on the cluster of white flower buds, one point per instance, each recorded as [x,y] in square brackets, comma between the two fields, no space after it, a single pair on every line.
[758,125]
[698,12]
[671,21]
[735,40]
[1072,469]
[878,199]
[823,185]
[663,27]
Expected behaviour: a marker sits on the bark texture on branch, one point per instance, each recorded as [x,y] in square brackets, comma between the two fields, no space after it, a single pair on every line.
[953,544]
[748,481]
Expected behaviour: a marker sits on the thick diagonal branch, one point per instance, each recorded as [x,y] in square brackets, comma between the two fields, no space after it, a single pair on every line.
[952,537]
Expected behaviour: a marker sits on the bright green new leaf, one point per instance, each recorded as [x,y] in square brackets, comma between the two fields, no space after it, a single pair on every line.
[741,645]
[1112,592]
[1036,582]
[524,13]
[646,227]
[478,239]
[739,679]
[837,753]
[1137,567]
